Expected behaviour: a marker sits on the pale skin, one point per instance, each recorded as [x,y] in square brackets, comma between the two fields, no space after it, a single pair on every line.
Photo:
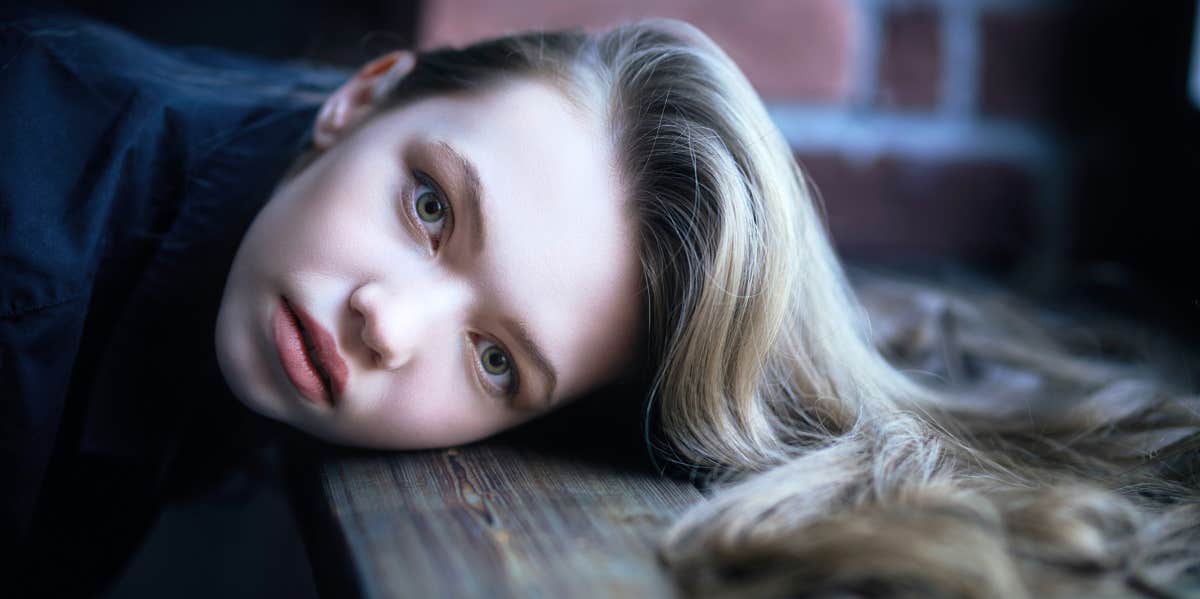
[377,241]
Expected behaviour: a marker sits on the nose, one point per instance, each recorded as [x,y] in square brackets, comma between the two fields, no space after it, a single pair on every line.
[397,322]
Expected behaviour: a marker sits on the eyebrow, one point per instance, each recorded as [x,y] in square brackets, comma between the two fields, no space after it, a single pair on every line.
[467,176]
[520,331]
[468,182]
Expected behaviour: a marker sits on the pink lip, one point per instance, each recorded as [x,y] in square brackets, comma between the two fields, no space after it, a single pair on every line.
[298,365]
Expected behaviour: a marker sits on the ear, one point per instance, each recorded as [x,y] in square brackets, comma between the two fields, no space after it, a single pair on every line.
[358,96]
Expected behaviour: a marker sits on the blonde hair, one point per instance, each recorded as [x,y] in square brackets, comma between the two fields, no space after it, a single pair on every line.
[834,471]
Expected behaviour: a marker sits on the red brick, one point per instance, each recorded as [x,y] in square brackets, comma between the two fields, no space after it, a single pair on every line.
[1024,63]
[910,62]
[799,51]
[898,208]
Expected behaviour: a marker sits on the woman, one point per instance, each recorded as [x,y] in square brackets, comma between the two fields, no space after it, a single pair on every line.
[477,236]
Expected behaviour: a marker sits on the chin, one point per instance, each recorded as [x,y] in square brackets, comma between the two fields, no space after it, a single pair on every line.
[235,359]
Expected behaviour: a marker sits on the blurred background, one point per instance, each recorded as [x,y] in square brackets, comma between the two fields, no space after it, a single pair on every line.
[1051,144]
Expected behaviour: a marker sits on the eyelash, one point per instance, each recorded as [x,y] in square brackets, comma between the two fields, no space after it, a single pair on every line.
[423,180]
[507,392]
[478,346]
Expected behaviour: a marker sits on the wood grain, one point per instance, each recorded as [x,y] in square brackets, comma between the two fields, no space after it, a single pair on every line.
[486,520]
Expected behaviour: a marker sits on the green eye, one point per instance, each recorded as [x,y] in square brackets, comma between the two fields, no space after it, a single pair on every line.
[430,207]
[494,361]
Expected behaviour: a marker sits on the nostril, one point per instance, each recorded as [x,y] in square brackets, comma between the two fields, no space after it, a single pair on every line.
[386,326]
[371,340]
[383,354]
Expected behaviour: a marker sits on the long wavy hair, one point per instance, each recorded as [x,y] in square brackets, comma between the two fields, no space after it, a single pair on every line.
[832,470]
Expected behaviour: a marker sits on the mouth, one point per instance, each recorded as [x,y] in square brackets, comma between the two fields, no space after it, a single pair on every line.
[309,355]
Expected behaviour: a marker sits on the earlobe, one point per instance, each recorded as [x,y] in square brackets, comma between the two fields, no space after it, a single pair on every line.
[358,96]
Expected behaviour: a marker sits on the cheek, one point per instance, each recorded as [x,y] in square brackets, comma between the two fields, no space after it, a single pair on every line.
[428,406]
[239,359]
[323,222]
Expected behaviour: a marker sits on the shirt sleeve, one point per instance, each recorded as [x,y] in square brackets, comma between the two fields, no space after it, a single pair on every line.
[51,225]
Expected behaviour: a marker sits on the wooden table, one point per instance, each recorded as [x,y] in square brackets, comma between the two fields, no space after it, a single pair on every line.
[502,518]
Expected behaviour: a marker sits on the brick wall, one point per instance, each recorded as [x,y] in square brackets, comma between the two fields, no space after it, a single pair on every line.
[948,145]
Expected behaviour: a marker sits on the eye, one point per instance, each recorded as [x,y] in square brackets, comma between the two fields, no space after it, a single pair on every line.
[497,369]
[431,209]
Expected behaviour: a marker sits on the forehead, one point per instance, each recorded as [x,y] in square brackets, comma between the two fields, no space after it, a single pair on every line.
[560,250]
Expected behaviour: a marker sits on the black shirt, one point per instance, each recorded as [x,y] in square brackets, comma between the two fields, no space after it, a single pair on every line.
[128,174]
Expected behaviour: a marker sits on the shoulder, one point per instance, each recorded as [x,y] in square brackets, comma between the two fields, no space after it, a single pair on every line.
[43,53]
[111,62]
[101,132]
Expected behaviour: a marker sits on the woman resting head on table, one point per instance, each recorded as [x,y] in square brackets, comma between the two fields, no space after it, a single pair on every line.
[481,234]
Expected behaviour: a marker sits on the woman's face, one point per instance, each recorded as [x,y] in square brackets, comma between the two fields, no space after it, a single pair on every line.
[452,268]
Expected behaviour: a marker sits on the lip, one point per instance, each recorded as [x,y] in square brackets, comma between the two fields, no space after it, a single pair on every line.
[297,363]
